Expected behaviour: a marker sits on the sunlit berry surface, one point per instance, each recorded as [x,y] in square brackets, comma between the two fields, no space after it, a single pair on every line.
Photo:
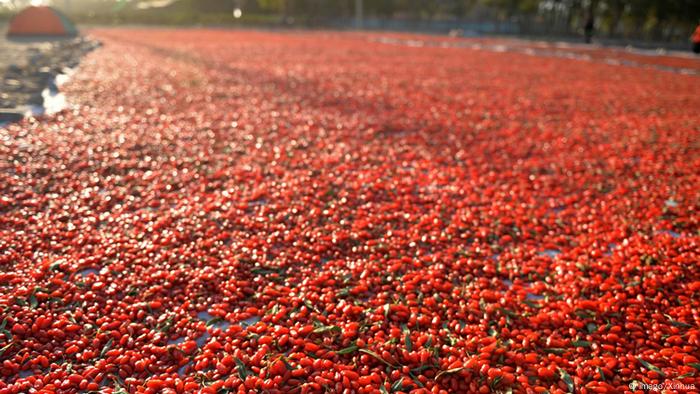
[240,211]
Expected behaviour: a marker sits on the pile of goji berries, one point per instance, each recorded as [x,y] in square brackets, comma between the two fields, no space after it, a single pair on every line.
[233,211]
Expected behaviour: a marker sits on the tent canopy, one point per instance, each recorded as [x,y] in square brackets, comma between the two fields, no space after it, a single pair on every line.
[41,21]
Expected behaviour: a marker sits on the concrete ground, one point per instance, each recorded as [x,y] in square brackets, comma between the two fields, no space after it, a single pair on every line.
[29,66]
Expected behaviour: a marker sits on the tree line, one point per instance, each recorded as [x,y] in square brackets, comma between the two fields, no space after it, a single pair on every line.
[644,19]
[657,19]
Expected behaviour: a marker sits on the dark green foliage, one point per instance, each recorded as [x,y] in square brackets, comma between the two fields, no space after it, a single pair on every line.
[641,19]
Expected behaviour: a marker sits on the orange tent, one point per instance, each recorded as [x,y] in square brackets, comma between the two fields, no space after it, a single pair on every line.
[41,21]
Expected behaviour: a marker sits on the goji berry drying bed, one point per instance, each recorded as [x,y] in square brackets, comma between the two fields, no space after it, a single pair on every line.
[308,212]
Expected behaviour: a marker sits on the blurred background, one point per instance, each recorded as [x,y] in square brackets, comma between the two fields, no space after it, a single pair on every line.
[613,21]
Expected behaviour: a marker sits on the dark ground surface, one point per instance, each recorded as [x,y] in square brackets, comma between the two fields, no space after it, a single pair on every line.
[28,66]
